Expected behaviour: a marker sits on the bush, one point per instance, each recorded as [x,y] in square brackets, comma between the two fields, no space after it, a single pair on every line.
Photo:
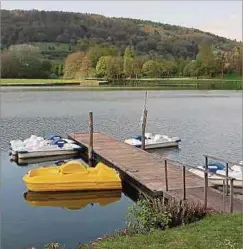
[143,218]
[182,212]
[146,215]
[54,246]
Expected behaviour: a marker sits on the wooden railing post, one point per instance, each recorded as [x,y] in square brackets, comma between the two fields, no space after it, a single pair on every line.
[227,175]
[231,195]
[166,176]
[206,182]
[224,194]
[184,182]
[143,128]
[90,138]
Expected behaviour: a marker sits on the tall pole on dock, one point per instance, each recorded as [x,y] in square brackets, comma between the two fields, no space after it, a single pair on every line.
[91,131]
[145,113]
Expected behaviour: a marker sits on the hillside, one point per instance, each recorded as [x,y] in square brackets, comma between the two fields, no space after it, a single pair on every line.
[60,33]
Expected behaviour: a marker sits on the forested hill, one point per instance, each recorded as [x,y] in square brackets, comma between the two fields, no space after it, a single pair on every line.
[84,30]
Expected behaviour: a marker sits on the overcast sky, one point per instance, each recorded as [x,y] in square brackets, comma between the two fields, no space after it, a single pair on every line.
[223,18]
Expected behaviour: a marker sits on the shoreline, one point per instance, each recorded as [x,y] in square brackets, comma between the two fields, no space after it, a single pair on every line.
[133,84]
[40,84]
[219,229]
[100,89]
[107,88]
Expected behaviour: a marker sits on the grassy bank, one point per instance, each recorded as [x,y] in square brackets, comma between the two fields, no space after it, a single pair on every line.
[133,84]
[45,82]
[182,83]
[36,81]
[221,231]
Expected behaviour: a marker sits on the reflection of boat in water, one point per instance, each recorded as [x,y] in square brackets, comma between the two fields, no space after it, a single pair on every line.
[71,200]
[72,176]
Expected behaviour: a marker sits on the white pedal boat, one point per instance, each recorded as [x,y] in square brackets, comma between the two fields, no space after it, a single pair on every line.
[154,141]
[35,146]
[235,172]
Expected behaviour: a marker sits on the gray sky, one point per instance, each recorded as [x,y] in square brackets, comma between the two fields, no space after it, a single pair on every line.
[223,18]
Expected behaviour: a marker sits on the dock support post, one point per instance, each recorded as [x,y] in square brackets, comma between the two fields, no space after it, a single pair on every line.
[184,182]
[227,182]
[143,128]
[206,183]
[231,195]
[166,176]
[90,138]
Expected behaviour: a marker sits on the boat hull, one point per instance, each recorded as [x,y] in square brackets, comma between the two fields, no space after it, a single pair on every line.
[161,145]
[157,145]
[36,154]
[75,186]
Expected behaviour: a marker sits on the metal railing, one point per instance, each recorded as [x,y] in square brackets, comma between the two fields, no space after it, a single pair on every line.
[226,178]
[227,167]
[223,160]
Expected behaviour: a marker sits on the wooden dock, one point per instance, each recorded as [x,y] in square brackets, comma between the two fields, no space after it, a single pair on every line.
[149,173]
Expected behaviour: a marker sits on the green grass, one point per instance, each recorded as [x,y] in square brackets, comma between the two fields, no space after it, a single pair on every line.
[221,231]
[230,77]
[35,81]
[233,77]
[42,81]
[182,83]
[136,84]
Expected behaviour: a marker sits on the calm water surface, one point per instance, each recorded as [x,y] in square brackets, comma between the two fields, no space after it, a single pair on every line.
[207,121]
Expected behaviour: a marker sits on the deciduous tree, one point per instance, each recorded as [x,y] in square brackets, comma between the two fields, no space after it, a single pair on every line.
[86,67]
[73,64]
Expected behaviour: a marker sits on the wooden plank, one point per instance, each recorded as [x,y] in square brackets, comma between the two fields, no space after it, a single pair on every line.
[125,155]
[149,172]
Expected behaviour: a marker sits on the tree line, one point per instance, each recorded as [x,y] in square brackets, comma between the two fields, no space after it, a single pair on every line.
[106,63]
[95,45]
[27,61]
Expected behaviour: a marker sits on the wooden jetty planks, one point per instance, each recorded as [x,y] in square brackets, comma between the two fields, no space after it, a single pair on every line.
[149,172]
[129,158]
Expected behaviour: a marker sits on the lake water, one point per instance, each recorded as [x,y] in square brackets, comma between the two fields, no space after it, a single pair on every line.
[208,122]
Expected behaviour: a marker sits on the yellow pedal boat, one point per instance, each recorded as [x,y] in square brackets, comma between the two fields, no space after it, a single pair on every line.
[72,200]
[72,176]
